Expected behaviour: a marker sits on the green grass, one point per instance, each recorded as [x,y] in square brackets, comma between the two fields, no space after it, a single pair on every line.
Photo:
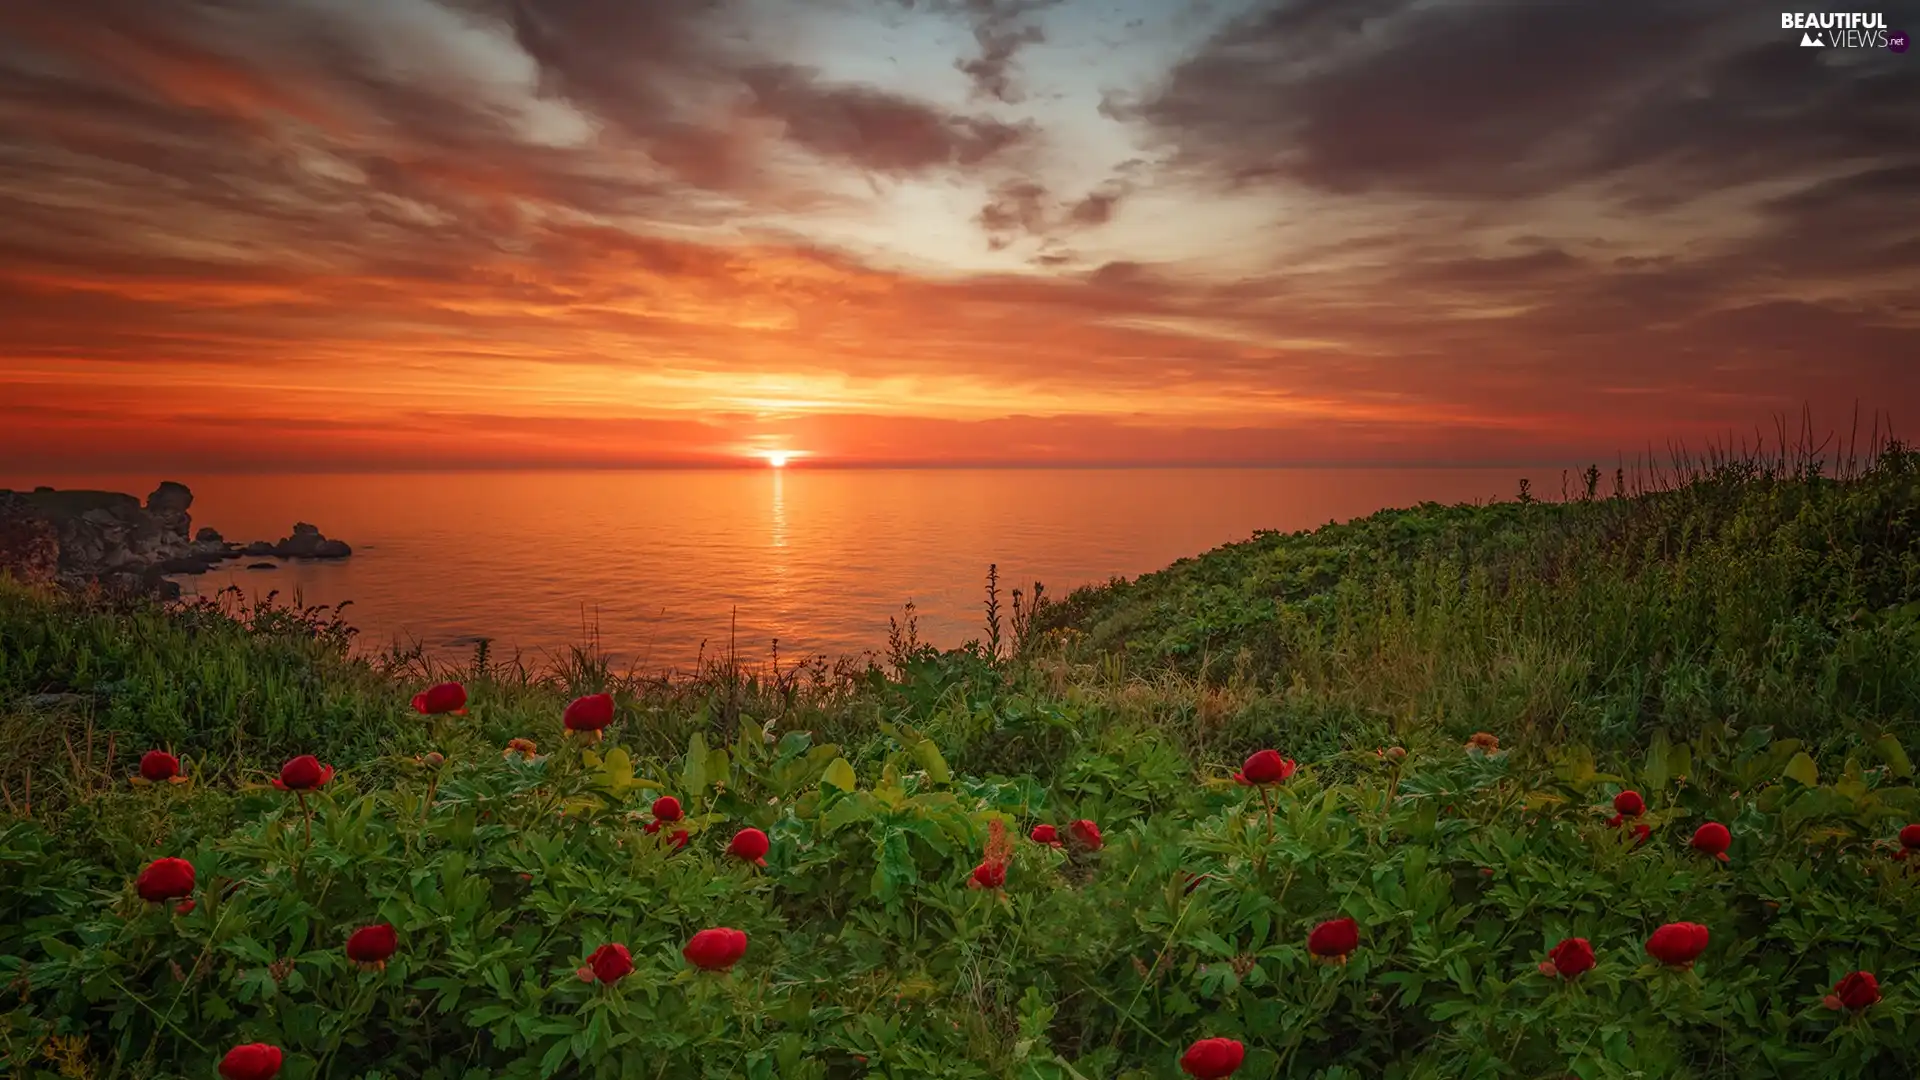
[1740,647]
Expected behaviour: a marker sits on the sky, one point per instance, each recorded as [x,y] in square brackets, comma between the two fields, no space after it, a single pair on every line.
[345,234]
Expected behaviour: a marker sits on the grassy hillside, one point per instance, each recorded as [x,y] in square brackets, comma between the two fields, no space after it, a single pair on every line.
[1738,650]
[1740,596]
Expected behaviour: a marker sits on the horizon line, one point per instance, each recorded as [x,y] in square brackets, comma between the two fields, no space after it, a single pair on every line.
[295,469]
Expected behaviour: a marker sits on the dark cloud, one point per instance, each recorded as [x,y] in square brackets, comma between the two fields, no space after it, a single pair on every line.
[1023,209]
[1000,37]
[874,129]
[1016,208]
[1001,29]
[1500,100]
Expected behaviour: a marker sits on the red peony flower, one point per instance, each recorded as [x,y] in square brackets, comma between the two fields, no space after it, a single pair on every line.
[1678,944]
[666,808]
[1569,958]
[1629,804]
[441,698]
[1086,834]
[589,714]
[371,946]
[1641,834]
[185,907]
[750,845]
[717,949]
[988,875]
[1045,834]
[610,963]
[304,773]
[254,1061]
[158,767]
[1334,939]
[1713,839]
[1212,1059]
[1856,991]
[1909,841]
[678,839]
[1264,767]
[165,879]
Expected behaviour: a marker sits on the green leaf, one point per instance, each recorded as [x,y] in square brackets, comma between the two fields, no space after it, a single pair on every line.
[840,774]
[928,755]
[693,776]
[843,813]
[1656,770]
[1891,752]
[1803,769]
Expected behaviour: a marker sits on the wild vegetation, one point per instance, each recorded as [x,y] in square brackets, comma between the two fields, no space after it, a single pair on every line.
[1607,786]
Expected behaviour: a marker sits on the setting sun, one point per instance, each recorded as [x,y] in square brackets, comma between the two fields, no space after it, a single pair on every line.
[778,459]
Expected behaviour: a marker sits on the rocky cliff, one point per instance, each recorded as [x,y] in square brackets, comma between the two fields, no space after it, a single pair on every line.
[80,538]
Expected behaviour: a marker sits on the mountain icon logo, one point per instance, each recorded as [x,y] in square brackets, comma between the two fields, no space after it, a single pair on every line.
[1811,41]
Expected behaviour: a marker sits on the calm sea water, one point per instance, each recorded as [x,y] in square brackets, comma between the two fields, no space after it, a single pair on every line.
[661,562]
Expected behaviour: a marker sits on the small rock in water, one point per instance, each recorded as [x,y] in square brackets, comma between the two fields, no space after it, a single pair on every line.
[263,566]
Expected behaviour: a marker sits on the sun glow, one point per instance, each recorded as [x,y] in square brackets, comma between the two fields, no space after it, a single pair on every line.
[778,458]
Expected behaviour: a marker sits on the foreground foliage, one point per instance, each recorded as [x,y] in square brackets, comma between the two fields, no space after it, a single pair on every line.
[1711,885]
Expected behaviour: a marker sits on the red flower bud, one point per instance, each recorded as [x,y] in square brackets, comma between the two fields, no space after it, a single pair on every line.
[303,773]
[1334,939]
[159,766]
[590,713]
[1212,1059]
[1264,767]
[1571,957]
[254,1061]
[1910,837]
[717,949]
[185,907]
[1858,990]
[165,879]
[441,698]
[371,946]
[678,839]
[1713,839]
[1641,834]
[1629,804]
[1678,944]
[610,963]
[666,808]
[1045,834]
[750,845]
[1086,834]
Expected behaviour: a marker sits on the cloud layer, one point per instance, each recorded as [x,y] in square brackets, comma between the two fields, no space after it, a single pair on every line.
[500,232]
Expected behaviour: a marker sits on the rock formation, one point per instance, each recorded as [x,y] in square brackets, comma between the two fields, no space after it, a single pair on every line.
[78,538]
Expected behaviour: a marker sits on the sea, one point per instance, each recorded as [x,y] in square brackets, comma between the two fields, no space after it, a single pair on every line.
[660,569]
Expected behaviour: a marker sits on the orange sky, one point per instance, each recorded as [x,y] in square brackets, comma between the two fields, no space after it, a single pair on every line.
[594,232]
